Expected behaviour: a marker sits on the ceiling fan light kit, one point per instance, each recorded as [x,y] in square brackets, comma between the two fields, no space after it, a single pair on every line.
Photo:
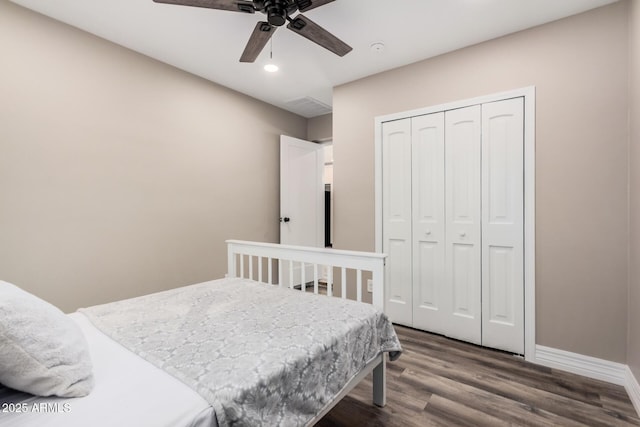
[278,13]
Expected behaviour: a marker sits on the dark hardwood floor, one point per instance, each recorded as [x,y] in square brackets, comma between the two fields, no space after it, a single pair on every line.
[443,382]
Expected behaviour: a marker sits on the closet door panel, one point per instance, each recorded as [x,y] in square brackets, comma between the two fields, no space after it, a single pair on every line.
[396,219]
[503,225]
[427,134]
[461,291]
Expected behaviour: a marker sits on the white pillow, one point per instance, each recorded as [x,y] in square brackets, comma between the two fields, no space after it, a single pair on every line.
[42,351]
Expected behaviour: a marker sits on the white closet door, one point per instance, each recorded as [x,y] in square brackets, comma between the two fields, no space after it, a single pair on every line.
[428,221]
[503,225]
[463,249]
[396,217]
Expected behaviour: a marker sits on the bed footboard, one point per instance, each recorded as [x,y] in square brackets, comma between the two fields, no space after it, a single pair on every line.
[292,266]
[301,266]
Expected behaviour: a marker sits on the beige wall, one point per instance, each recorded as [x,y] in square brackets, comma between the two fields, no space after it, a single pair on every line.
[633,352]
[119,175]
[320,128]
[579,68]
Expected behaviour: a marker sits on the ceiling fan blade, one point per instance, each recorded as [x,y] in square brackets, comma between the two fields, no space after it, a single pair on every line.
[232,5]
[304,5]
[259,38]
[314,32]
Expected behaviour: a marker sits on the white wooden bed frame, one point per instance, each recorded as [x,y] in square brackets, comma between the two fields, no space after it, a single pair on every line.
[243,255]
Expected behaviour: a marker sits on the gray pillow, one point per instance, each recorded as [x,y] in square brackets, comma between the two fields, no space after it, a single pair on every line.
[42,351]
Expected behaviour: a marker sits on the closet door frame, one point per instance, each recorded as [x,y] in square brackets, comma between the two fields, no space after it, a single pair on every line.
[528,93]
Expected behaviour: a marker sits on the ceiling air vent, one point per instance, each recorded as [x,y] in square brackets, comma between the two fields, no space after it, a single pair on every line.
[308,107]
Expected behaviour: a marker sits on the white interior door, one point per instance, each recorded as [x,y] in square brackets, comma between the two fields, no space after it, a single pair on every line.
[503,225]
[301,199]
[461,295]
[450,215]
[396,217]
[427,133]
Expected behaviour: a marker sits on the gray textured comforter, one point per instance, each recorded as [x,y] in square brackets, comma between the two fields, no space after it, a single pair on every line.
[259,354]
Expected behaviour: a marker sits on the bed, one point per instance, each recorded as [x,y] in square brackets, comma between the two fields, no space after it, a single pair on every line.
[261,346]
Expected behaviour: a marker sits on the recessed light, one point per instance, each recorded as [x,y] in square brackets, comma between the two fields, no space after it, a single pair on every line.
[271,68]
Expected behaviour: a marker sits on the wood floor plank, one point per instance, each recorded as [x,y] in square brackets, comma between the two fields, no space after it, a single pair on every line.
[617,404]
[483,401]
[443,382]
[590,413]
[482,380]
[450,412]
[509,367]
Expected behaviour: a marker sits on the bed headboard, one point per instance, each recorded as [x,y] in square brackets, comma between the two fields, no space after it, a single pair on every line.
[299,264]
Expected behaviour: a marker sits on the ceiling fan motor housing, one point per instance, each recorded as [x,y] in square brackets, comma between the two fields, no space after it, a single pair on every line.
[276,12]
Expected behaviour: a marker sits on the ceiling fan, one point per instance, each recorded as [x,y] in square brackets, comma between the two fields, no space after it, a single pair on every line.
[278,13]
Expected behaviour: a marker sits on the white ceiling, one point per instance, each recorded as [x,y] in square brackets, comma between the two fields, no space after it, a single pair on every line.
[209,42]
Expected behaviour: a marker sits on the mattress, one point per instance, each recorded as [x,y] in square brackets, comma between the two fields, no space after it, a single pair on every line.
[259,354]
[138,394]
[220,353]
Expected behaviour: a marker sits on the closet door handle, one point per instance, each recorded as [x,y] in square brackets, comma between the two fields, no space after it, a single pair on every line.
[462,233]
[427,232]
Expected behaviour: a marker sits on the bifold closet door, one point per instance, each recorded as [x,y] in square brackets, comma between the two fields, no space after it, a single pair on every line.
[503,225]
[396,219]
[427,134]
[462,285]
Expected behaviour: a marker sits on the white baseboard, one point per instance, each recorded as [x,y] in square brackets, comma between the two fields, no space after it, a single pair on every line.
[587,366]
[633,390]
[591,367]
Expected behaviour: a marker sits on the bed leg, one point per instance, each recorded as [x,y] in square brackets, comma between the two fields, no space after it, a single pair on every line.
[380,384]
